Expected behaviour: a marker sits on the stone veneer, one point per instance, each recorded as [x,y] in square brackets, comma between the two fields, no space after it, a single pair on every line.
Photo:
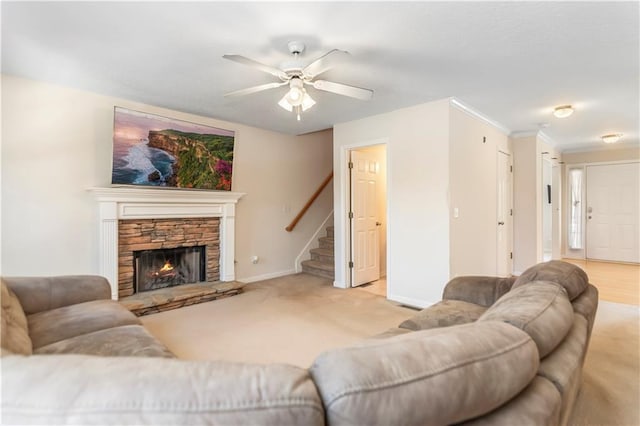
[151,234]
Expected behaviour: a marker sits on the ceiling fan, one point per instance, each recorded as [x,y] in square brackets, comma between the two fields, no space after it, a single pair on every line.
[296,74]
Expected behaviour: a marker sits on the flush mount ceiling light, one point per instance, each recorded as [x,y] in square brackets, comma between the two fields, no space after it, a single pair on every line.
[563,111]
[296,74]
[611,138]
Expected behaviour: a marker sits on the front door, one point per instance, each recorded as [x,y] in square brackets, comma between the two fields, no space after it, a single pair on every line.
[365,239]
[612,212]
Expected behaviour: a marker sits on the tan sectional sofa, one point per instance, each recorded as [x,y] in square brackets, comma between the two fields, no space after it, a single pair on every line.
[494,351]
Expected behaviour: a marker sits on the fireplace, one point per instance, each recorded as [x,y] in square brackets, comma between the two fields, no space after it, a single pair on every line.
[161,268]
[137,219]
[159,253]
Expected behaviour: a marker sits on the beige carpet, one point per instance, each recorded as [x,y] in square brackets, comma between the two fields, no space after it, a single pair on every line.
[292,319]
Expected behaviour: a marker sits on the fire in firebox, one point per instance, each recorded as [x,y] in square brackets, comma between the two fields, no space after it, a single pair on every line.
[165,271]
[155,269]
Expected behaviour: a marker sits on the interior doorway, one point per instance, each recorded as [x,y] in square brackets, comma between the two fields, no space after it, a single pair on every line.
[504,257]
[547,210]
[368,216]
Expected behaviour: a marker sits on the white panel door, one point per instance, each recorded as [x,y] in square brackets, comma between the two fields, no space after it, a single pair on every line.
[613,231]
[365,227]
[504,266]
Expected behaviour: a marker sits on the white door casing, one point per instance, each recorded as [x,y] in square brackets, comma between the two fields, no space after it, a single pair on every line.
[504,225]
[556,197]
[612,212]
[365,239]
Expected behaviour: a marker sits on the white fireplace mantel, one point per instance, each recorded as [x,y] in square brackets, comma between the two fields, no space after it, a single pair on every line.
[121,203]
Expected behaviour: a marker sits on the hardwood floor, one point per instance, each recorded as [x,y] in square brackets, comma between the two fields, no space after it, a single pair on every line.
[616,282]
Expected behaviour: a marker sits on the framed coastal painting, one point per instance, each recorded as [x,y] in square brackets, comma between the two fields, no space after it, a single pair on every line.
[152,150]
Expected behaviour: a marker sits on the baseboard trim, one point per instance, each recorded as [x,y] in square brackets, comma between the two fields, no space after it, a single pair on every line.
[268,276]
[409,301]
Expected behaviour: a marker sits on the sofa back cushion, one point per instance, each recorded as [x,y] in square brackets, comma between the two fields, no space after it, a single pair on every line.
[39,294]
[15,331]
[571,277]
[78,389]
[541,309]
[437,376]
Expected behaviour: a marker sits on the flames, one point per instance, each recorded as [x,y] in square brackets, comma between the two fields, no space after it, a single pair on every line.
[167,269]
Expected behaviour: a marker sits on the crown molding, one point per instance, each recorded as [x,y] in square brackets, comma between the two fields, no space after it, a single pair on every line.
[545,138]
[523,134]
[474,112]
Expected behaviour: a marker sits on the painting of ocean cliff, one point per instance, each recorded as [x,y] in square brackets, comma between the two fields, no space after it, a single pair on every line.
[157,151]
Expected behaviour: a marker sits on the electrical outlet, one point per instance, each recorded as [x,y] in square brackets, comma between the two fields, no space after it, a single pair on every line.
[254,259]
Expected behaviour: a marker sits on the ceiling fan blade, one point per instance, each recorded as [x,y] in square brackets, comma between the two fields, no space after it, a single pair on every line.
[325,62]
[343,89]
[255,89]
[255,64]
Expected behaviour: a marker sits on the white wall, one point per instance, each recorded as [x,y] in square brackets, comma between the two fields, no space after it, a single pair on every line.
[473,180]
[57,143]
[528,199]
[417,196]
[524,203]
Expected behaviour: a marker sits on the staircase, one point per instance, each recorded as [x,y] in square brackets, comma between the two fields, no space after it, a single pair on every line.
[321,263]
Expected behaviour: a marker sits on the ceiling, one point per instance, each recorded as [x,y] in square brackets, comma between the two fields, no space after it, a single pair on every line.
[512,61]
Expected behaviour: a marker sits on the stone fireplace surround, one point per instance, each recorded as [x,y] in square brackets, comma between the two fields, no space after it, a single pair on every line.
[118,204]
[151,234]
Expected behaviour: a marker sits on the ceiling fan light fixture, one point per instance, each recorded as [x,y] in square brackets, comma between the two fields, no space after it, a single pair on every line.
[284,103]
[296,92]
[307,101]
[611,138]
[563,111]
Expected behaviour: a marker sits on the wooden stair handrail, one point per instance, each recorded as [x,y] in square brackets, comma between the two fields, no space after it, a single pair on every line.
[315,195]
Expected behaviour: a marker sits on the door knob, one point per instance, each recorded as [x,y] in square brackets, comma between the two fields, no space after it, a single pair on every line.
[378,224]
[500,223]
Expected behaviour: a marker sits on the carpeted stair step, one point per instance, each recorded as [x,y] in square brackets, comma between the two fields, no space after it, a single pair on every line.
[324,255]
[320,269]
[326,242]
[330,231]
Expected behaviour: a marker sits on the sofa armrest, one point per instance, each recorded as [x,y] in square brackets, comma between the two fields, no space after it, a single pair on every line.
[37,294]
[480,290]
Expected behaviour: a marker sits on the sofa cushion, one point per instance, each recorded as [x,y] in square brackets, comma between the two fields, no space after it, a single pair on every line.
[480,290]
[571,277]
[540,308]
[127,340]
[436,376]
[75,389]
[563,367]
[587,304]
[443,314]
[63,323]
[14,328]
[391,333]
[39,294]
[539,404]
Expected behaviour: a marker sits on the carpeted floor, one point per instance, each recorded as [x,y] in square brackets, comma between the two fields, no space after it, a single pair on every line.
[294,318]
